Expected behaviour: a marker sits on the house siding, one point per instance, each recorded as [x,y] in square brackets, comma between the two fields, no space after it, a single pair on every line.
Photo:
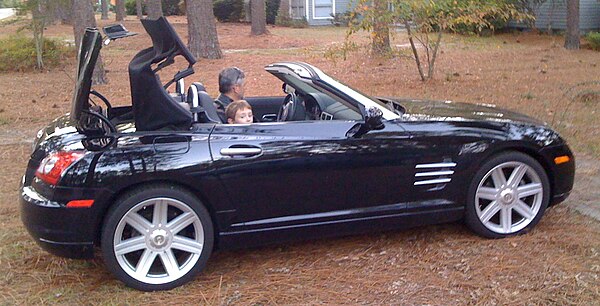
[553,13]
[589,11]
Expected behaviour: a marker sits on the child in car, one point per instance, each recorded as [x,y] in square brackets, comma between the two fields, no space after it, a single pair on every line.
[239,112]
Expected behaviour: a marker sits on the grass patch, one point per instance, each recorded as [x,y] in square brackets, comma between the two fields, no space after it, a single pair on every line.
[17,53]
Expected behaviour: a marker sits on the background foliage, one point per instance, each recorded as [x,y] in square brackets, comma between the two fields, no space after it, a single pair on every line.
[17,53]
[228,10]
[594,39]
[8,3]
[170,7]
[272,8]
[425,21]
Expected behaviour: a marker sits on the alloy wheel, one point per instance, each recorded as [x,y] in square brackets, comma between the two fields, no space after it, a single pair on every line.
[509,197]
[158,241]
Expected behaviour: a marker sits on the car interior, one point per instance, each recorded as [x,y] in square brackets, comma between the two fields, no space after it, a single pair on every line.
[186,109]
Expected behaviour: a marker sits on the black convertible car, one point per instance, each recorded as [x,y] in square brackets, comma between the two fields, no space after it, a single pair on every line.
[161,183]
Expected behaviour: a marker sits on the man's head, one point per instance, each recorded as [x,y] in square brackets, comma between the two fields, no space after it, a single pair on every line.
[231,83]
[239,112]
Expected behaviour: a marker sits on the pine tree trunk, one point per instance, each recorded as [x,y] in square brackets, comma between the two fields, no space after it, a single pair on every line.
[64,12]
[51,11]
[259,17]
[572,35]
[83,17]
[120,10]
[104,10]
[154,8]
[381,31]
[202,29]
[38,16]
[247,11]
[139,9]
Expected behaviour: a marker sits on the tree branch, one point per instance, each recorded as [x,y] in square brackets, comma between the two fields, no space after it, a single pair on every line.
[414,49]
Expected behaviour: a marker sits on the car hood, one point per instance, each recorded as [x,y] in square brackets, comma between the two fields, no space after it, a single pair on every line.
[422,110]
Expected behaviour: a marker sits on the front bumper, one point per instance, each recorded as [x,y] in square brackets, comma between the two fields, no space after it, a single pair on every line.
[62,231]
[562,175]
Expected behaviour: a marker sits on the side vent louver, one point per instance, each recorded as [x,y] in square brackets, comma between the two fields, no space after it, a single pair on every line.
[436,173]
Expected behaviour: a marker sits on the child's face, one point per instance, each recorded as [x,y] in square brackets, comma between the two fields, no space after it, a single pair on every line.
[242,116]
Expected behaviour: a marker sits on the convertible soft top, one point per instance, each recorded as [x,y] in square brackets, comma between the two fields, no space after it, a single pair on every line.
[153,108]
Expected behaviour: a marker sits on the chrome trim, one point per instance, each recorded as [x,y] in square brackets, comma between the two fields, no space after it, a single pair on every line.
[434,173]
[436,165]
[436,181]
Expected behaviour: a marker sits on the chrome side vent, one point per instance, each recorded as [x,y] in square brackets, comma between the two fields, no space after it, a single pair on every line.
[436,173]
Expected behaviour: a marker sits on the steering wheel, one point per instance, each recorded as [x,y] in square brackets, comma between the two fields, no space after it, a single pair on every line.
[289,108]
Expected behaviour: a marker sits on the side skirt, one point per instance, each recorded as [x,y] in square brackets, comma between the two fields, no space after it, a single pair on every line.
[335,228]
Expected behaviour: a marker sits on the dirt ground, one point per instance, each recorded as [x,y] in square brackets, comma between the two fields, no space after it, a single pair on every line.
[557,263]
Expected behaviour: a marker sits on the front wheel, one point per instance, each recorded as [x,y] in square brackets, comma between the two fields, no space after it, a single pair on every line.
[157,238]
[508,196]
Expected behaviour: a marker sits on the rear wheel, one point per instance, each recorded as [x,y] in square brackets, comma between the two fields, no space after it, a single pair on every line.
[508,196]
[157,238]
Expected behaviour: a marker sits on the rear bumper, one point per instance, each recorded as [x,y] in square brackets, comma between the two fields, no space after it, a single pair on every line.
[62,231]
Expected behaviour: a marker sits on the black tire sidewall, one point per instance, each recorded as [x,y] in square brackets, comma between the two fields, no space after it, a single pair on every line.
[471,218]
[128,201]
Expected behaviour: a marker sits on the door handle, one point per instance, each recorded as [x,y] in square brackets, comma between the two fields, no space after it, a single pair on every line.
[269,118]
[241,151]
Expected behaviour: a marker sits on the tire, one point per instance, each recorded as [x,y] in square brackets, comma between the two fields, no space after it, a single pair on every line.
[157,237]
[507,196]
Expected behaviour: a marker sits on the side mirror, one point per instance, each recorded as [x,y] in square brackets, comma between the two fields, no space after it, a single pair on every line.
[373,121]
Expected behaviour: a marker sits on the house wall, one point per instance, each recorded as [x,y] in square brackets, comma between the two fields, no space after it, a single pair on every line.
[553,13]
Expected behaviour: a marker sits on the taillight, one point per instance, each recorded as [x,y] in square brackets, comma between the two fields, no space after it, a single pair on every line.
[54,165]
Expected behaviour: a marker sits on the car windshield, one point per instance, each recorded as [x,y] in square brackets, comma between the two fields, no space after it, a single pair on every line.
[309,88]
[364,98]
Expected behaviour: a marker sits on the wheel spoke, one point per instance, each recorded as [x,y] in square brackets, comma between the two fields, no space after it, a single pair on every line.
[498,178]
[181,222]
[490,211]
[529,190]
[517,175]
[159,215]
[138,222]
[130,245]
[187,245]
[169,262]
[506,219]
[487,193]
[144,264]
[524,210]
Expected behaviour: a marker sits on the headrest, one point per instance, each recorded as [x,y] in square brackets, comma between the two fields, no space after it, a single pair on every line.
[192,93]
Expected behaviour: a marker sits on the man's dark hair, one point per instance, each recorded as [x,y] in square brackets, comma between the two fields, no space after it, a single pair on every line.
[229,77]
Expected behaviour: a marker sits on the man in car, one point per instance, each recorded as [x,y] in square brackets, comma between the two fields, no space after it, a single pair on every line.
[231,86]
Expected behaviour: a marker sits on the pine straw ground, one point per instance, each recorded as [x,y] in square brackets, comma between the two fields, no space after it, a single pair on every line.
[557,263]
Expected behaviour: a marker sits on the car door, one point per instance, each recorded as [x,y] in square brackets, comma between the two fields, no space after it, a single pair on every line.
[291,173]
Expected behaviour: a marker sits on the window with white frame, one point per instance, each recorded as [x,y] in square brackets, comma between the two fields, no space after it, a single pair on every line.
[323,9]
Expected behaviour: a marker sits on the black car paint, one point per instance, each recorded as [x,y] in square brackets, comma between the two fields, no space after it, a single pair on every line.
[272,197]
